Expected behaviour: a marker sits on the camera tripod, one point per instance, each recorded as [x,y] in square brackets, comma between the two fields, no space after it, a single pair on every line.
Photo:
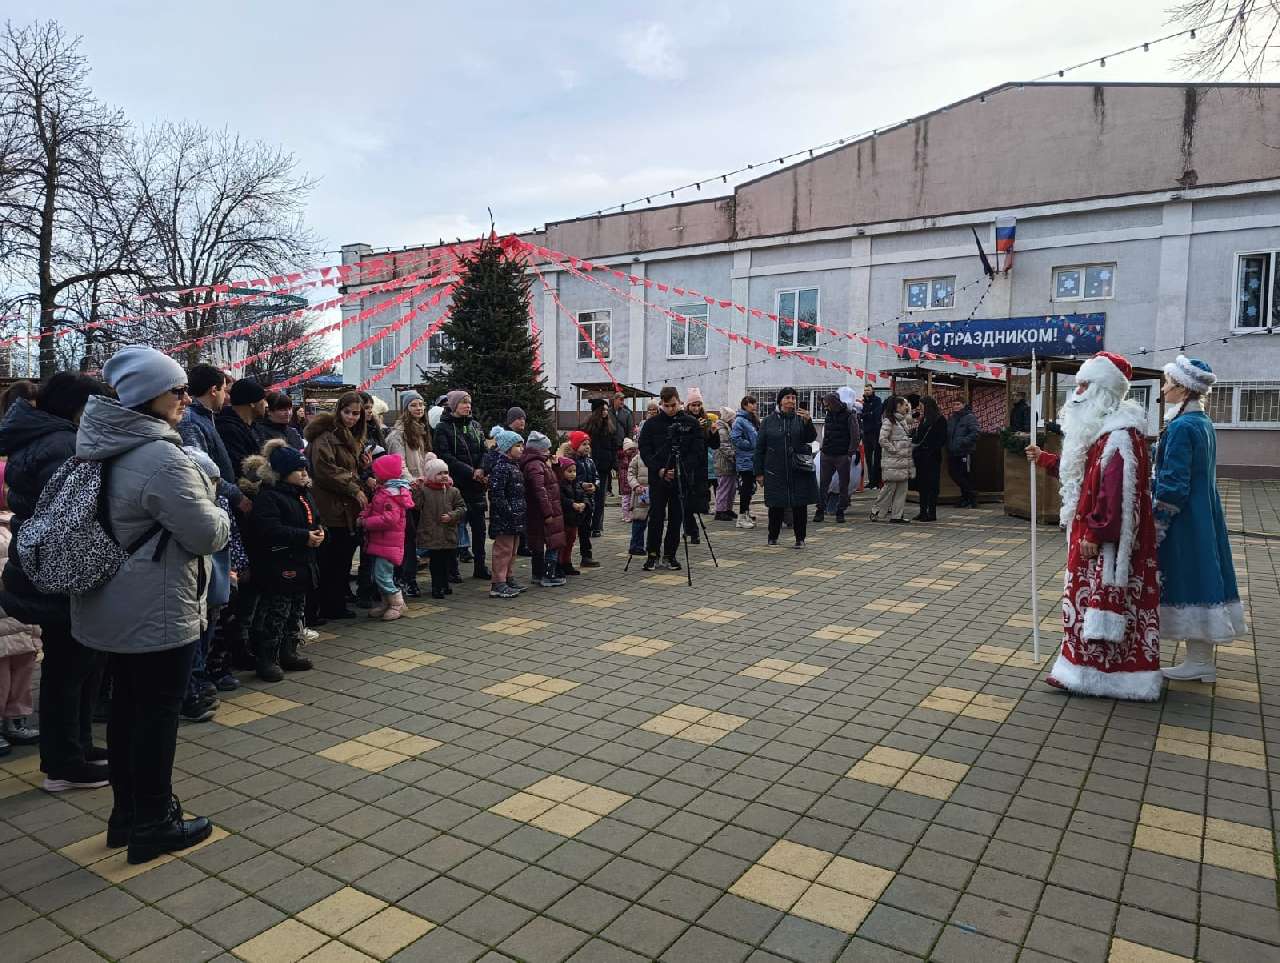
[681,490]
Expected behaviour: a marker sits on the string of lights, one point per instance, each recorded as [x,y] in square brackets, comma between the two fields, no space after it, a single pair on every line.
[807,153]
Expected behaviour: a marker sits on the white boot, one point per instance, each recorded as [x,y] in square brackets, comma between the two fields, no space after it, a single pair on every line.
[1197,666]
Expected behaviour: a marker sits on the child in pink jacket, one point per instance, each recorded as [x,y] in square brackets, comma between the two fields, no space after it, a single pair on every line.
[383,524]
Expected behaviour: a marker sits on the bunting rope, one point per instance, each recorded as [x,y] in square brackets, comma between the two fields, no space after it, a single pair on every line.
[409,349]
[565,312]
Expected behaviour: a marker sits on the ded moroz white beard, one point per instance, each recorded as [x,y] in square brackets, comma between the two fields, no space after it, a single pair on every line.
[1082,420]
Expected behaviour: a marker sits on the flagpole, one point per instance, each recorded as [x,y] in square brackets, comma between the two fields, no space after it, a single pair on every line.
[1035,581]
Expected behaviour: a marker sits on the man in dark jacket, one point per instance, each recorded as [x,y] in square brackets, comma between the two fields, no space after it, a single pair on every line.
[1020,416]
[841,435]
[37,440]
[236,424]
[872,412]
[669,438]
[207,386]
[962,439]
[459,442]
[622,417]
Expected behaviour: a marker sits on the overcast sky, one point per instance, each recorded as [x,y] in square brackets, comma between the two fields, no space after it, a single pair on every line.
[413,117]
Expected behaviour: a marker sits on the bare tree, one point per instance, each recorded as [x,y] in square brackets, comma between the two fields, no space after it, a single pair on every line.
[67,218]
[282,362]
[217,208]
[1229,36]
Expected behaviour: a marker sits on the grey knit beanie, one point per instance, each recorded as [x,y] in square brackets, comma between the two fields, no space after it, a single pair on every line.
[139,374]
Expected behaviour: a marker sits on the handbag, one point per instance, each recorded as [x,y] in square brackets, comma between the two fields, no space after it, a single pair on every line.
[802,461]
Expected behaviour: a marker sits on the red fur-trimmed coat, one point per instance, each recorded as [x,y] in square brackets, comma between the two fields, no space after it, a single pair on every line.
[1111,603]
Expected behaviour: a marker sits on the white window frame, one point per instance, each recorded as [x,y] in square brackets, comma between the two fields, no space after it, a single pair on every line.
[1267,305]
[385,347]
[1237,388]
[429,363]
[777,310]
[692,311]
[591,330]
[1083,269]
[907,282]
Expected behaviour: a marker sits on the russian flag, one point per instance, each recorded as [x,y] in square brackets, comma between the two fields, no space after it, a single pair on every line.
[1006,229]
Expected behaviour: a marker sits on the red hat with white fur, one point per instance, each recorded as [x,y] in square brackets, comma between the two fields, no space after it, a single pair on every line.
[1112,371]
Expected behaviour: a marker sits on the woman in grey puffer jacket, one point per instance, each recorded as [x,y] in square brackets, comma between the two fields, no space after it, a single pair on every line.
[151,612]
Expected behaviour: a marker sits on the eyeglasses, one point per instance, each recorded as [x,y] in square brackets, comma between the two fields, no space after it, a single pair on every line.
[179,391]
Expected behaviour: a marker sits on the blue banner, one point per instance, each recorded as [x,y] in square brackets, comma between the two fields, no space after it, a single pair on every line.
[1054,334]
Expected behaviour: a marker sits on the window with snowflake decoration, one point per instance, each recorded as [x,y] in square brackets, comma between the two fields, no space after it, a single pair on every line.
[1257,299]
[924,294]
[1084,282]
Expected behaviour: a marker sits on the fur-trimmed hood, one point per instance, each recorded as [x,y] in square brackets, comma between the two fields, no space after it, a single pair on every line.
[256,472]
[319,425]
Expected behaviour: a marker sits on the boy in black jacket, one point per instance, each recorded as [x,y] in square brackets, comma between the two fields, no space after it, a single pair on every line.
[573,501]
[286,533]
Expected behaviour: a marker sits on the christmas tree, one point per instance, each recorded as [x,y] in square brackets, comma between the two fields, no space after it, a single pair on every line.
[488,348]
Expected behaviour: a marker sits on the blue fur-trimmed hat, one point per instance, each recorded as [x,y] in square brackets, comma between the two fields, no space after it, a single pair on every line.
[1192,373]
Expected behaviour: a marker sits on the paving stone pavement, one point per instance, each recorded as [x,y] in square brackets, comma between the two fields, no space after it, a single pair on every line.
[842,754]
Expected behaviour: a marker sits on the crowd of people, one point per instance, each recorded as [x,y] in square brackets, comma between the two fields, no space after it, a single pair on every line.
[236,520]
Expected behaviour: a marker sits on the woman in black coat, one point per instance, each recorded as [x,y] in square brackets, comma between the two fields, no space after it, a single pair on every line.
[929,440]
[782,448]
[37,439]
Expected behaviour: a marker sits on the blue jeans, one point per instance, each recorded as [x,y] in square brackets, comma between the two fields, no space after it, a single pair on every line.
[637,535]
[384,576]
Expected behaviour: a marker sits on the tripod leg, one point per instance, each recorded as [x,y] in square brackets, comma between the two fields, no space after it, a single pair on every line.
[707,535]
[679,520]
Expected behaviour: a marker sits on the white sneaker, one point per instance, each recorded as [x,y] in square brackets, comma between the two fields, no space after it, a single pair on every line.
[744,521]
[309,635]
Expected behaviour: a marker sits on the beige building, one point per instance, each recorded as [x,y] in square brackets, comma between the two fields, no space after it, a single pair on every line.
[1152,209]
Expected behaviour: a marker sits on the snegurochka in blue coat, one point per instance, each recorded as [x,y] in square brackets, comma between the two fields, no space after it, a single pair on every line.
[1199,599]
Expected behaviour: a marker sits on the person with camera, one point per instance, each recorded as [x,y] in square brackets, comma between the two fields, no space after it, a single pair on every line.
[784,466]
[672,444]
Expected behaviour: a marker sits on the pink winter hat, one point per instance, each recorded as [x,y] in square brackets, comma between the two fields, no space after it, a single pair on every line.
[694,395]
[388,467]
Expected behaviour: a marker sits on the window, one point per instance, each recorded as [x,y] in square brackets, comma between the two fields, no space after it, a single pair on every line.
[797,314]
[688,340]
[1084,282]
[435,344]
[383,350]
[1245,404]
[925,294]
[1257,304]
[596,325]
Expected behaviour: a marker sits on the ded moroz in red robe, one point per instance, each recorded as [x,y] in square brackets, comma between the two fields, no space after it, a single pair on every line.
[1111,604]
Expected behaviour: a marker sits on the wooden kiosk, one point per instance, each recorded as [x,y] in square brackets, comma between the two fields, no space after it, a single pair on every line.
[987,466]
[1053,375]
[588,391]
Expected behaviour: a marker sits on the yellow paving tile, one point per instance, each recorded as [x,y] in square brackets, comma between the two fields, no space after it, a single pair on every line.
[853,634]
[1240,858]
[693,724]
[942,768]
[335,952]
[598,800]
[772,592]
[922,785]
[514,626]
[934,584]
[285,942]
[823,573]
[1122,951]
[1169,843]
[860,879]
[667,578]
[402,660]
[531,687]
[522,807]
[1236,689]
[987,552]
[338,913]
[599,600]
[875,773]
[888,756]
[893,605]
[780,670]
[236,717]
[1048,623]
[388,933]
[830,907]
[636,645]
[1016,658]
[894,545]
[1239,834]
[803,861]
[1190,824]
[969,567]
[665,725]
[557,787]
[1234,757]
[377,760]
[1176,747]
[858,557]
[712,616]
[760,884]
[12,786]
[565,819]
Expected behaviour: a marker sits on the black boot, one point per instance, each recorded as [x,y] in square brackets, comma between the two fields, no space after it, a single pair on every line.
[411,589]
[481,572]
[267,663]
[119,825]
[539,562]
[819,516]
[290,660]
[167,835]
